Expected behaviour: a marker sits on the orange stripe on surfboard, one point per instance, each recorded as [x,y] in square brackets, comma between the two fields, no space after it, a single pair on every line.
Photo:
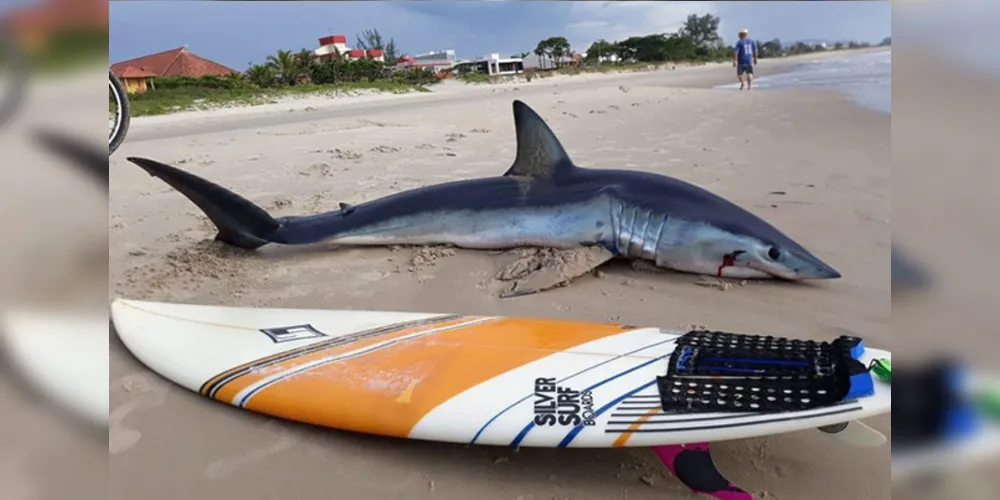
[213,384]
[625,436]
[389,390]
[231,388]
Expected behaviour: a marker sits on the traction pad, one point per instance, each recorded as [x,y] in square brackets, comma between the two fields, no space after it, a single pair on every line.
[728,372]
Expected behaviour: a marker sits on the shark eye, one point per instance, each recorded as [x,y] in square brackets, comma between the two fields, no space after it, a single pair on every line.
[774,253]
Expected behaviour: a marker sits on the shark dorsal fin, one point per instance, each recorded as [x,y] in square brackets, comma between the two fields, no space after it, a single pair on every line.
[539,154]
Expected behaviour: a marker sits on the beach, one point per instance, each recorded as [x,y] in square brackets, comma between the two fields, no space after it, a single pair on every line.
[812,162]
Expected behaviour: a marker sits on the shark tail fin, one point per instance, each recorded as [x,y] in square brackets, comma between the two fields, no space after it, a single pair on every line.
[539,153]
[240,222]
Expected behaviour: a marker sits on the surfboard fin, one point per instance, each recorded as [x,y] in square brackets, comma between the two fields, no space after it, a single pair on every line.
[692,465]
[856,433]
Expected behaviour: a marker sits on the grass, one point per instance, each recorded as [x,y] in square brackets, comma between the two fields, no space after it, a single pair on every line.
[166,101]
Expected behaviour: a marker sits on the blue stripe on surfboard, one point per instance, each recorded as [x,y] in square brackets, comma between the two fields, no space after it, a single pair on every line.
[585,370]
[576,430]
[531,425]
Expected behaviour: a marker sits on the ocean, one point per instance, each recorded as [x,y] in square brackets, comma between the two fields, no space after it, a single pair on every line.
[865,78]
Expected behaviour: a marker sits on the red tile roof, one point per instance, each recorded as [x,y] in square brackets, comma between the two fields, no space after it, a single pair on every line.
[328,40]
[375,52]
[176,62]
[357,53]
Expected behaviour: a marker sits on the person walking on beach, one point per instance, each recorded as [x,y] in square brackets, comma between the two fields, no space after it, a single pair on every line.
[745,58]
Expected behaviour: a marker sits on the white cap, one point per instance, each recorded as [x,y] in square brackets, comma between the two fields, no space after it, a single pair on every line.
[744,31]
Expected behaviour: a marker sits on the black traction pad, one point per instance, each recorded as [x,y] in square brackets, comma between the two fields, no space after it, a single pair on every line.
[728,372]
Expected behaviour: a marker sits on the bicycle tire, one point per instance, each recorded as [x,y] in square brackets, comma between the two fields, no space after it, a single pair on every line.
[124,113]
[10,102]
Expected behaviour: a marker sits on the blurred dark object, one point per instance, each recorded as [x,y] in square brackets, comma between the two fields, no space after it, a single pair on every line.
[85,157]
[123,113]
[906,275]
[931,404]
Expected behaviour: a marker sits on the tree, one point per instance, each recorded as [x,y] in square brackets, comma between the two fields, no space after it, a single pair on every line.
[702,31]
[887,41]
[261,75]
[520,55]
[772,48]
[558,48]
[286,66]
[838,45]
[541,51]
[600,49]
[372,39]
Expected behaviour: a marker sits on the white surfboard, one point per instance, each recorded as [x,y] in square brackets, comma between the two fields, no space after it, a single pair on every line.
[451,378]
[62,356]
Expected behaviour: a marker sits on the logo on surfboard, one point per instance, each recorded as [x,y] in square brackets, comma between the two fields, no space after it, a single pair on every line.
[561,405]
[291,333]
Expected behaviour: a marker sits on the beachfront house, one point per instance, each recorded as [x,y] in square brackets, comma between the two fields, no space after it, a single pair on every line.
[137,74]
[492,65]
[436,61]
[335,47]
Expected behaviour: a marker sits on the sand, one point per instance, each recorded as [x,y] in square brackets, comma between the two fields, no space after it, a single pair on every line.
[809,162]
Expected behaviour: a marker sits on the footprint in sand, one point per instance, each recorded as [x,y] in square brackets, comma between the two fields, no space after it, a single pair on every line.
[226,466]
[144,394]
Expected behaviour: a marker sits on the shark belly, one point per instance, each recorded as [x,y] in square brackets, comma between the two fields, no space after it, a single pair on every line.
[557,226]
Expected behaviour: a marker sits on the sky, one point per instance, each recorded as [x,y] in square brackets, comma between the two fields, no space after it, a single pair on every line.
[239,33]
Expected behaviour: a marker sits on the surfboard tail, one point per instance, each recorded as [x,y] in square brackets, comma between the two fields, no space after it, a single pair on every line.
[240,222]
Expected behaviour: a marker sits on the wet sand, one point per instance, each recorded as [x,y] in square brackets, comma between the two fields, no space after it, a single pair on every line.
[809,162]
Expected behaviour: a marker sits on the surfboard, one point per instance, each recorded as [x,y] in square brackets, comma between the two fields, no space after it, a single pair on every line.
[446,377]
[62,356]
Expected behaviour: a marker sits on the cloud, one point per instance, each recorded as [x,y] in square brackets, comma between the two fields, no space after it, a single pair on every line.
[590,21]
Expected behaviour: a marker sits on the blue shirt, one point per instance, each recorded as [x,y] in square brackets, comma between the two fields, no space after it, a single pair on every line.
[746,49]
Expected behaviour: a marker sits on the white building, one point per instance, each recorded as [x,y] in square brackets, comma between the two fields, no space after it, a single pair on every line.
[332,46]
[436,60]
[545,62]
[494,65]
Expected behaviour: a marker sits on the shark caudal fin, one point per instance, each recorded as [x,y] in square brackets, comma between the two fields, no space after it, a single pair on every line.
[539,153]
[240,222]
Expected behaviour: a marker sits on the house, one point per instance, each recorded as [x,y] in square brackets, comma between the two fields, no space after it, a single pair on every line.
[335,46]
[137,74]
[436,61]
[544,61]
[493,65]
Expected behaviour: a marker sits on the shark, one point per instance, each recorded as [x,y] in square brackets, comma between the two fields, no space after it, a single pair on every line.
[543,200]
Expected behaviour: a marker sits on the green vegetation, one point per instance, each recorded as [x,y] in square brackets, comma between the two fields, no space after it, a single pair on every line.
[284,73]
[66,50]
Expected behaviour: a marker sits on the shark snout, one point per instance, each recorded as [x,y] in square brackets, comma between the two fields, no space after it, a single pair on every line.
[815,269]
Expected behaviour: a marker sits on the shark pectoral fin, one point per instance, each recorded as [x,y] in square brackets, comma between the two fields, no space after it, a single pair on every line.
[539,153]
[549,268]
[346,209]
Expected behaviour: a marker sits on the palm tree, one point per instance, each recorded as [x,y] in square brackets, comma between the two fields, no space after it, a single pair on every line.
[261,75]
[286,65]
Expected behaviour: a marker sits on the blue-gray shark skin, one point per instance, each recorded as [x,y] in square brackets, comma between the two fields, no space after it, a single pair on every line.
[543,200]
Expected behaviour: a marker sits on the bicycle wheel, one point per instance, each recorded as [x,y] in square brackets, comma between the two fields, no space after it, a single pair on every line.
[12,77]
[120,120]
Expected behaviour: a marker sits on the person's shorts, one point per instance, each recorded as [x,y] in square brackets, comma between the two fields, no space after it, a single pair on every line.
[744,68]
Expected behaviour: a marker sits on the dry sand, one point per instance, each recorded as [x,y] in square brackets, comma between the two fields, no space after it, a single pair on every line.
[811,163]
